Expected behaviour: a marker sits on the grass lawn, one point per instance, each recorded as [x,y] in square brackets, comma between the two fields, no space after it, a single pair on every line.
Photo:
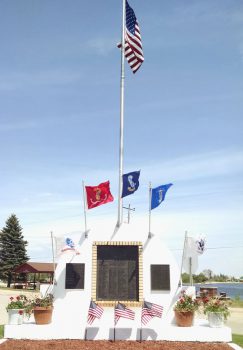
[236,303]
[237,339]
[1,331]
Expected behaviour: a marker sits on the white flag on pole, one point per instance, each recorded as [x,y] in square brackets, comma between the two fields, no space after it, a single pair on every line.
[193,248]
[67,243]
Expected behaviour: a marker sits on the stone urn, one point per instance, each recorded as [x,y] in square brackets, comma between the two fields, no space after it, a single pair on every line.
[215,319]
[43,314]
[184,319]
[15,316]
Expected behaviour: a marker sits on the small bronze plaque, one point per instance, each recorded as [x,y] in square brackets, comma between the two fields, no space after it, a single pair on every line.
[160,277]
[74,276]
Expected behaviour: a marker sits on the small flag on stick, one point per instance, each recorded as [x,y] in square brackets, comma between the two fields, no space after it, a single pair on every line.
[150,310]
[122,311]
[95,311]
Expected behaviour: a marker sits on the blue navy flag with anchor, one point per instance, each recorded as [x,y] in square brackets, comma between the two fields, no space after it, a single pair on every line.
[158,195]
[130,183]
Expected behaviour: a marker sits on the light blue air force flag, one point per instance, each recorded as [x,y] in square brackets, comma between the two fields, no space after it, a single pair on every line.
[158,195]
[130,183]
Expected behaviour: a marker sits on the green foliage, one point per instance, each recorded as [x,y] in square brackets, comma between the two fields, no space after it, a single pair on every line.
[18,302]
[207,275]
[185,277]
[186,303]
[12,248]
[237,339]
[215,304]
[45,301]
[201,278]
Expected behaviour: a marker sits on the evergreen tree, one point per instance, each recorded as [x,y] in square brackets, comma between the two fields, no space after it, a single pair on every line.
[12,248]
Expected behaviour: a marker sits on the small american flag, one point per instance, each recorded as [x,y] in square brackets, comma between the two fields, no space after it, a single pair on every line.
[95,311]
[133,43]
[122,311]
[149,311]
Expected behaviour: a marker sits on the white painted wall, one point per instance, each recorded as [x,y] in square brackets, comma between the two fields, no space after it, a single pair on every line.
[71,306]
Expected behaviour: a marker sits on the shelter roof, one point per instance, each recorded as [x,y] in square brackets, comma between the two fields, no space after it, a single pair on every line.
[35,267]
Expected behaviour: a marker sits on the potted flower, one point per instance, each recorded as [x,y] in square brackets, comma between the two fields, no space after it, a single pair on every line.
[184,309]
[16,308]
[217,310]
[42,308]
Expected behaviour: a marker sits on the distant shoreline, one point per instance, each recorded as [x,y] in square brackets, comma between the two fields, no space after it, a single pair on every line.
[214,282]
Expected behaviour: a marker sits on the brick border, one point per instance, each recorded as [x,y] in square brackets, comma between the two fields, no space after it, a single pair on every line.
[140,272]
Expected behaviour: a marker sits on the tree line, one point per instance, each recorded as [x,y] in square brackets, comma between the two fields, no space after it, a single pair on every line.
[208,276]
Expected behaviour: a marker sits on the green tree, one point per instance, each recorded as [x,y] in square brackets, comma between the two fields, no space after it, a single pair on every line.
[201,278]
[12,248]
[185,277]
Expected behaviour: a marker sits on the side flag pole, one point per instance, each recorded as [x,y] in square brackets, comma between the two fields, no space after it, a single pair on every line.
[121,148]
[53,260]
[141,326]
[85,219]
[150,198]
[183,256]
[114,335]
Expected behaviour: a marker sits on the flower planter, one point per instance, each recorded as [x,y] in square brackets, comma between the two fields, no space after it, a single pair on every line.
[15,316]
[43,315]
[215,319]
[184,319]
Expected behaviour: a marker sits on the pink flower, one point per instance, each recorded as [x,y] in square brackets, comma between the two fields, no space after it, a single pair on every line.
[11,298]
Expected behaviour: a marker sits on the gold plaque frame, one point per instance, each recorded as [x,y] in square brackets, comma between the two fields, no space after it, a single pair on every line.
[140,273]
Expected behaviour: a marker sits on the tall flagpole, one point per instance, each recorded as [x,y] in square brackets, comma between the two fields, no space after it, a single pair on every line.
[150,198]
[85,220]
[121,148]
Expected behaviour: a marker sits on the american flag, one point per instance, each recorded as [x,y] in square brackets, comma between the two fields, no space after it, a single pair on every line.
[150,310]
[133,43]
[95,311]
[122,311]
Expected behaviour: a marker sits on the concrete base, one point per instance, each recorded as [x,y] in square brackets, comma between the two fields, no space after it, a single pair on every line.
[199,332]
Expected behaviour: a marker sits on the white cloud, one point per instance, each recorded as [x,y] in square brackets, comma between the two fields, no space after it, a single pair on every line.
[198,166]
[18,80]
[102,46]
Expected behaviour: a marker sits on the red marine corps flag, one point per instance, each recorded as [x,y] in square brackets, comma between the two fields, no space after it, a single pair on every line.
[98,195]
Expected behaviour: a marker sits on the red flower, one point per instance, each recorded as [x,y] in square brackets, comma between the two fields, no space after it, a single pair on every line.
[18,298]
[20,312]
[205,300]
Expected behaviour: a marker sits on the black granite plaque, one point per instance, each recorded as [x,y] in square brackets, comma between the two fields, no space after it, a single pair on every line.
[160,277]
[74,276]
[117,273]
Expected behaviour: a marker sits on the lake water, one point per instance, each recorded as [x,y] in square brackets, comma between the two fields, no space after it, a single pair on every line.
[232,290]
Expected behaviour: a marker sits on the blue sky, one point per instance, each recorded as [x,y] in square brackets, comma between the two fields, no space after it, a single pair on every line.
[59,119]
